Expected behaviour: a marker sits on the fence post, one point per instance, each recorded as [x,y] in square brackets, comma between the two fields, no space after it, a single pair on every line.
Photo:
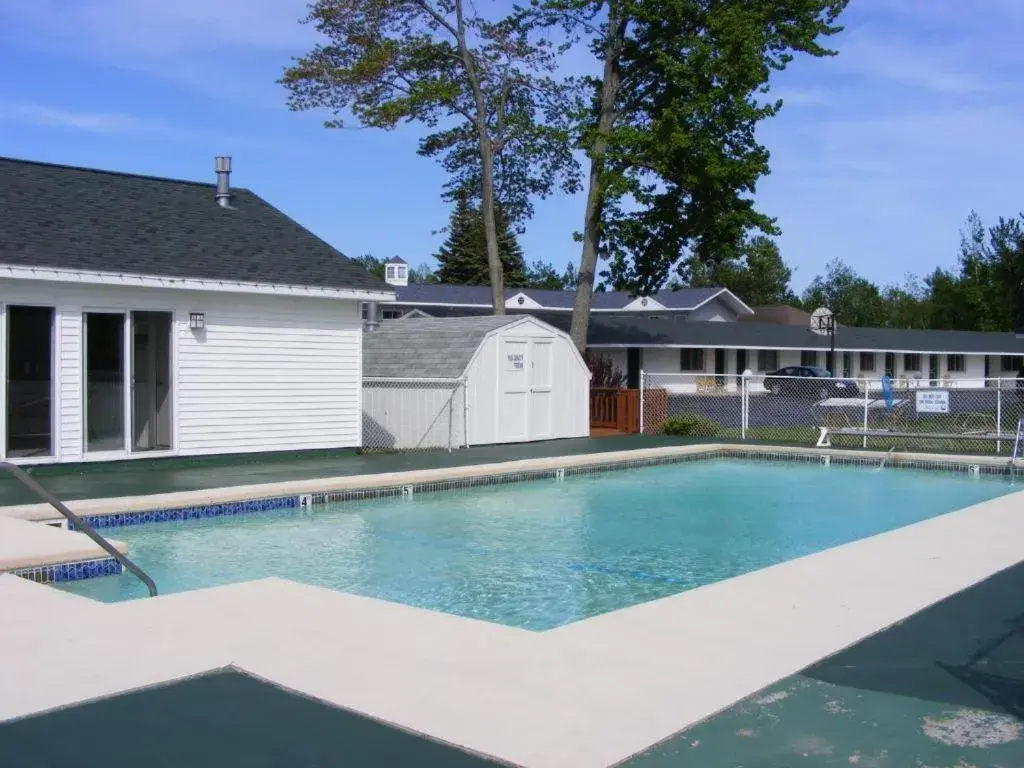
[641,401]
[867,387]
[744,405]
[999,414]
[465,412]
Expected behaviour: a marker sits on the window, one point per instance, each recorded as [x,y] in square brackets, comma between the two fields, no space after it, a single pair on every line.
[912,363]
[391,272]
[956,363]
[1009,363]
[767,360]
[867,361]
[391,314]
[691,359]
[809,357]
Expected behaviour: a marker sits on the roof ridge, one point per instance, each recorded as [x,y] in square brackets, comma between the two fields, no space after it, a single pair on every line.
[106,172]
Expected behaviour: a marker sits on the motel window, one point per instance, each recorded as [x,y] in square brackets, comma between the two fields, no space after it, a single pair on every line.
[867,361]
[912,363]
[809,357]
[956,363]
[1009,363]
[767,360]
[691,359]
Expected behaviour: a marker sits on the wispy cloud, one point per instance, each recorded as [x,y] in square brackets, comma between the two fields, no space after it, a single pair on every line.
[153,28]
[941,69]
[98,122]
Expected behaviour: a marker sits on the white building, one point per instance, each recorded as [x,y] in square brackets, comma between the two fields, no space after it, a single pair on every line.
[712,332]
[464,381]
[153,317]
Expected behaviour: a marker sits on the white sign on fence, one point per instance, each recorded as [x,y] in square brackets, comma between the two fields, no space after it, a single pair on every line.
[932,401]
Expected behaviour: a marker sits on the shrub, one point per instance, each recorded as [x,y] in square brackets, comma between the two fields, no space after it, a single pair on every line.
[691,425]
[604,373]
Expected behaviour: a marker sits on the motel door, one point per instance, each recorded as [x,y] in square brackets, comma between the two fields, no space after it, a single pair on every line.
[515,391]
[540,367]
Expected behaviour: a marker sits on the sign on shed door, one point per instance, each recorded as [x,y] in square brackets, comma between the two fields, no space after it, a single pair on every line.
[515,389]
[541,407]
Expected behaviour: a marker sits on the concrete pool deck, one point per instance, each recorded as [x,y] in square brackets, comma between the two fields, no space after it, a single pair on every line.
[587,694]
[24,545]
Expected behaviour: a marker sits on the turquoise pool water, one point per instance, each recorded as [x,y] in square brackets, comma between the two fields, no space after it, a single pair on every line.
[545,553]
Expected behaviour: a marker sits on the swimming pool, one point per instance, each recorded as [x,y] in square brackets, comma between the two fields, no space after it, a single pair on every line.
[545,553]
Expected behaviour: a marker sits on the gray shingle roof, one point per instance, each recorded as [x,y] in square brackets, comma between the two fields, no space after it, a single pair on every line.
[431,348]
[469,295]
[78,218]
[641,330]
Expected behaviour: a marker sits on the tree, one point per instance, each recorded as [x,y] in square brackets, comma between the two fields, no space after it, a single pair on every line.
[853,299]
[671,134]
[462,258]
[544,275]
[433,62]
[757,273]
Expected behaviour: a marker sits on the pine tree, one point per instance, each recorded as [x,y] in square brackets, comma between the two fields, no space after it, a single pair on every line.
[462,258]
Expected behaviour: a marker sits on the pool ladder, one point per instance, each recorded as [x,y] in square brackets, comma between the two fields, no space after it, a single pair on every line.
[29,482]
[885,459]
[1016,449]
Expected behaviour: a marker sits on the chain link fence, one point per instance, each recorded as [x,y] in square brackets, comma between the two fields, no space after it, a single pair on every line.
[414,414]
[964,416]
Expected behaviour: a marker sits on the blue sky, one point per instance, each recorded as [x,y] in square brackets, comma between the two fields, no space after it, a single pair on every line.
[877,158]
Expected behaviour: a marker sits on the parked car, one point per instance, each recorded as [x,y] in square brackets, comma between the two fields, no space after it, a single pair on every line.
[809,381]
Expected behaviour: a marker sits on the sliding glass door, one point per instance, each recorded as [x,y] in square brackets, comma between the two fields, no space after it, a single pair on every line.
[104,381]
[29,382]
[151,381]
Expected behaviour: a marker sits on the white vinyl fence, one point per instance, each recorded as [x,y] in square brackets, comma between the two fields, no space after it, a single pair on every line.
[965,416]
[414,414]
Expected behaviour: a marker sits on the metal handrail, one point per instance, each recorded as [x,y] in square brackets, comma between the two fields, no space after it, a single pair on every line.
[79,523]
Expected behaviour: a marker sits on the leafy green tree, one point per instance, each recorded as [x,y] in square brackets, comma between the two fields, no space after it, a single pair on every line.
[757,273]
[462,258]
[670,136]
[440,62]
[544,275]
[853,299]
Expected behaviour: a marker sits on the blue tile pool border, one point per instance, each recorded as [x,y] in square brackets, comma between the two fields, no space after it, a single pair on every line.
[60,572]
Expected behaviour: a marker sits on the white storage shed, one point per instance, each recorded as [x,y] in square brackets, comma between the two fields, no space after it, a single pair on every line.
[451,382]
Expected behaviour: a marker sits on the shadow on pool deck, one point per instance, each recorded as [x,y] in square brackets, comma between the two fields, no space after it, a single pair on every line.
[224,718]
[145,476]
[942,689]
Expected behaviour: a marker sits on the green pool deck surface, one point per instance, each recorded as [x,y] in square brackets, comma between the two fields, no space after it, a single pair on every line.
[941,689]
[145,476]
[221,719]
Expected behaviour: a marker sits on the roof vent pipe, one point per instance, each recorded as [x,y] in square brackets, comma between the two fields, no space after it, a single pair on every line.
[372,316]
[222,164]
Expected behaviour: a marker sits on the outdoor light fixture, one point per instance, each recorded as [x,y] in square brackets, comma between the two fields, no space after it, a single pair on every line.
[196,321]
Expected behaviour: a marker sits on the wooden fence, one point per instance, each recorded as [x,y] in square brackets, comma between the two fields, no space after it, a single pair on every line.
[615,409]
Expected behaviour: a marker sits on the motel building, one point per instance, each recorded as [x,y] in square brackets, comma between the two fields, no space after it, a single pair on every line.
[714,336]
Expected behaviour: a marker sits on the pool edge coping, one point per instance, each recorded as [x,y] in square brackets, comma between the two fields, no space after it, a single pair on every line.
[103,507]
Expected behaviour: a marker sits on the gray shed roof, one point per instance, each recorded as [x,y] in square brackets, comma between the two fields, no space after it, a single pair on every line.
[427,348]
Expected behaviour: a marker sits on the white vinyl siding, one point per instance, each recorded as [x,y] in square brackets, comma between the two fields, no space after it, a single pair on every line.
[267,373]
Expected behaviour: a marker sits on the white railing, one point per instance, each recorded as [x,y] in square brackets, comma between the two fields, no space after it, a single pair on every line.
[968,416]
[415,414]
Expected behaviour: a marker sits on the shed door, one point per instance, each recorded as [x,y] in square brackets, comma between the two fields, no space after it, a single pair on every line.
[541,364]
[515,390]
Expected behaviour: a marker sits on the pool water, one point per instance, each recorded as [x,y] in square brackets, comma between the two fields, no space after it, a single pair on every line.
[540,554]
